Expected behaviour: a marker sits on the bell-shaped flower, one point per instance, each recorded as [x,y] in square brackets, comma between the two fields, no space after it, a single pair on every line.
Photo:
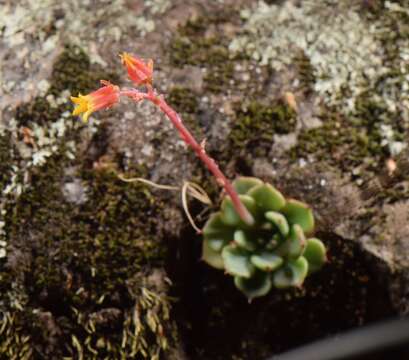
[103,98]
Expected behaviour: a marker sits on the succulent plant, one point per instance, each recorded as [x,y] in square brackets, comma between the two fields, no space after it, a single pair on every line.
[274,251]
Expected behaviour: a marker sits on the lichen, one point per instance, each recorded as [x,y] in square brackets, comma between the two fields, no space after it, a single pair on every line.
[359,58]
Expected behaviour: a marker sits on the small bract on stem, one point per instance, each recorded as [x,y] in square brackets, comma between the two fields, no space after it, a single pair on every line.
[141,73]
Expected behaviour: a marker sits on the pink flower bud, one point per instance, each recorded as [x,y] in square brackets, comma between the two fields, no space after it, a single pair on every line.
[138,71]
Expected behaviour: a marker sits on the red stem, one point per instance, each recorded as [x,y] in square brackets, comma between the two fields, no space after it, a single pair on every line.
[188,138]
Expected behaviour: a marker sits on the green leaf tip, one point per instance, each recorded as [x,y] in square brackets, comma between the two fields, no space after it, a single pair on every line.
[258,285]
[237,262]
[299,213]
[316,254]
[279,221]
[267,197]
[266,261]
[243,184]
[229,215]
[244,240]
[211,257]
[293,274]
[294,245]
[214,225]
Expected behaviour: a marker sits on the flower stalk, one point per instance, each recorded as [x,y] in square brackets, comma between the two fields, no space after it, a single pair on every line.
[141,74]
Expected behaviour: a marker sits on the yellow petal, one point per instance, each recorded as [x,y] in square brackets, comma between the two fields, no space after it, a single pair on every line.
[86,115]
[76,100]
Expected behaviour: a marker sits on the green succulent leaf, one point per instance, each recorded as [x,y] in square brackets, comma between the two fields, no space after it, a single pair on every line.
[217,233]
[215,226]
[293,274]
[243,184]
[279,221]
[244,240]
[229,214]
[216,244]
[258,285]
[299,213]
[294,245]
[213,258]
[266,261]
[237,261]
[316,254]
[267,197]
[297,241]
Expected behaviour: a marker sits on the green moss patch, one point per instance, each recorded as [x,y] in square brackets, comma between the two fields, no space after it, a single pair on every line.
[192,46]
[256,124]
[349,142]
[73,71]
[77,260]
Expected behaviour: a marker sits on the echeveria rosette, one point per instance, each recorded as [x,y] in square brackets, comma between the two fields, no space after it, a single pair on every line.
[274,252]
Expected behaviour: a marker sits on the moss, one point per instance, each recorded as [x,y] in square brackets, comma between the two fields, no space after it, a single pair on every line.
[183,100]
[73,71]
[38,111]
[305,71]
[201,51]
[256,124]
[80,255]
[350,142]
[191,46]
[6,160]
[217,79]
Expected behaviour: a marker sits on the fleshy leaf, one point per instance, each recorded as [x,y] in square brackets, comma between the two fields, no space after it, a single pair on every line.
[267,197]
[266,261]
[213,258]
[216,244]
[258,285]
[229,214]
[279,221]
[217,233]
[293,274]
[294,245]
[299,213]
[244,183]
[237,262]
[316,254]
[243,239]
[297,244]
[215,225]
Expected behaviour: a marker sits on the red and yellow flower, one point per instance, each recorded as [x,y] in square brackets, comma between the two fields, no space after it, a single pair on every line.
[138,71]
[103,98]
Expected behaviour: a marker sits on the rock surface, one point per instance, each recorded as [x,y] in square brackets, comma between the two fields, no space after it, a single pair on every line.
[92,267]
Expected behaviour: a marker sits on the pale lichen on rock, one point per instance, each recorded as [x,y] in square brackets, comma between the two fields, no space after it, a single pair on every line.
[344,48]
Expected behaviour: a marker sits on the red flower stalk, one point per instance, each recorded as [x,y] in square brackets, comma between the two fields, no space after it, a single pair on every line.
[141,74]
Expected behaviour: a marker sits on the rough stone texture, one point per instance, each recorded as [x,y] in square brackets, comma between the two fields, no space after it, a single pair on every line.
[85,258]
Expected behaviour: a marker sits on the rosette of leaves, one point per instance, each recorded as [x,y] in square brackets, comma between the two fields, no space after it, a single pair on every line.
[274,252]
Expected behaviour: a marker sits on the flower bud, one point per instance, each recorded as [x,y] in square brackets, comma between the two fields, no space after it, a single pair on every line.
[138,71]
